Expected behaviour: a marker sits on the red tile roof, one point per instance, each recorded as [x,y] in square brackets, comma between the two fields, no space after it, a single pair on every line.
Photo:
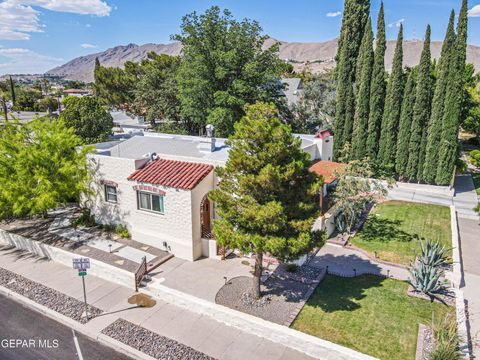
[322,134]
[172,173]
[327,169]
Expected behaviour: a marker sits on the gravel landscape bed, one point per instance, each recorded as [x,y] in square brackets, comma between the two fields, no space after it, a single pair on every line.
[281,296]
[46,296]
[150,343]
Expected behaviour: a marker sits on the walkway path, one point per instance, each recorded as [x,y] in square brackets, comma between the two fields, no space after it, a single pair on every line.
[348,262]
[201,332]
[469,230]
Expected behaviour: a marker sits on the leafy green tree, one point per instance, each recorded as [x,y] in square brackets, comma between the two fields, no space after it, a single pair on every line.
[404,130]
[48,103]
[155,94]
[438,103]
[471,117]
[393,105]
[114,86]
[88,118]
[453,102]
[354,191]
[377,89]
[26,99]
[265,200]
[421,113]
[316,106]
[40,167]
[364,68]
[223,68]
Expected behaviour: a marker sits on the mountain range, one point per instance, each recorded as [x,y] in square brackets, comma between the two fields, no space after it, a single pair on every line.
[314,56]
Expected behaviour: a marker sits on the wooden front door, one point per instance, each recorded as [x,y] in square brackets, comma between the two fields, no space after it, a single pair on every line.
[205,218]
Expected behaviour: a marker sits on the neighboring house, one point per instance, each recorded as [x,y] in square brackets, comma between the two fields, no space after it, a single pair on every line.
[158,185]
[292,91]
[76,92]
[329,170]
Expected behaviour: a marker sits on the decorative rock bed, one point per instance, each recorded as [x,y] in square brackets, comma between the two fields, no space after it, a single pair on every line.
[150,343]
[425,342]
[48,297]
[283,294]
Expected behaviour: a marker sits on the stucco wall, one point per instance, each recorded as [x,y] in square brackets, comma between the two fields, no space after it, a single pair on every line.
[197,194]
[175,226]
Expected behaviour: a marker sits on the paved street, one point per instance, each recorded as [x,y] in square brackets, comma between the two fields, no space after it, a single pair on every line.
[20,323]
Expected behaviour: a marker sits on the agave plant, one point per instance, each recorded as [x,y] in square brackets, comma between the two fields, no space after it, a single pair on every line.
[433,254]
[425,278]
[340,223]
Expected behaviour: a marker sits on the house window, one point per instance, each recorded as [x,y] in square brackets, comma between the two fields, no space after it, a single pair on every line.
[111,193]
[150,202]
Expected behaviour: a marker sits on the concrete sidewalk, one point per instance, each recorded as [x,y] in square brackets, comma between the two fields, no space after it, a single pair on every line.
[200,332]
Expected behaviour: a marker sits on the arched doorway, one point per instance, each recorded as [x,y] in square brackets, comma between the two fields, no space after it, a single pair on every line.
[205,218]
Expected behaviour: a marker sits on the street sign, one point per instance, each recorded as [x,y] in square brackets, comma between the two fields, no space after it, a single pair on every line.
[82,272]
[81,263]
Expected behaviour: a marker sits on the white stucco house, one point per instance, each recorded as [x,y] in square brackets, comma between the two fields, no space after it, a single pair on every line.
[157,185]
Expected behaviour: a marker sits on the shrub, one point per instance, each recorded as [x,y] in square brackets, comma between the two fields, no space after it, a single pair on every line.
[122,231]
[85,219]
[446,339]
[291,268]
[109,227]
[474,158]
[433,254]
[425,279]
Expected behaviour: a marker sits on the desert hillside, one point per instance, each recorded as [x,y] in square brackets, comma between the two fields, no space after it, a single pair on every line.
[316,56]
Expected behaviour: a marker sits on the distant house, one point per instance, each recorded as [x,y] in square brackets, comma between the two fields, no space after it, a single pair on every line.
[158,185]
[292,91]
[76,92]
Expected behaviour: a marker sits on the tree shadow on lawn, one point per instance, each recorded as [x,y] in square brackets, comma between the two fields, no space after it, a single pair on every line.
[385,230]
[337,293]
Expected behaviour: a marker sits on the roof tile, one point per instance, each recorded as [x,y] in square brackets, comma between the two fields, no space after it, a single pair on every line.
[172,173]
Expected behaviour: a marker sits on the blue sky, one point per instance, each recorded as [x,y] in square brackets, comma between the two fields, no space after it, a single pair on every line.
[36,35]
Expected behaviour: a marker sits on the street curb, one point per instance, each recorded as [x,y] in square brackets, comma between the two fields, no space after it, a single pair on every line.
[80,328]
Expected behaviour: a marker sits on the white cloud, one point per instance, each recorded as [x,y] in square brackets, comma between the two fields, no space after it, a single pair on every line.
[25,61]
[88,46]
[334,14]
[18,19]
[396,23]
[475,11]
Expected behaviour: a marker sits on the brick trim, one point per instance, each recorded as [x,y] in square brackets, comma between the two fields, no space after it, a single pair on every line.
[149,189]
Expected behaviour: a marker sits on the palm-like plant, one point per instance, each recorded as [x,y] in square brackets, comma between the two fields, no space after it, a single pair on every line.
[425,278]
[433,254]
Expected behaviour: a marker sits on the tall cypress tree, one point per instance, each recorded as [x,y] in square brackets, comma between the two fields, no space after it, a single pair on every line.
[355,16]
[365,68]
[12,90]
[393,106]
[453,102]
[377,88]
[404,129]
[421,112]
[438,103]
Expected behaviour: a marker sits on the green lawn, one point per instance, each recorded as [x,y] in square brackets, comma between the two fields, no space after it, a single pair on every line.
[394,228]
[368,313]
[476,182]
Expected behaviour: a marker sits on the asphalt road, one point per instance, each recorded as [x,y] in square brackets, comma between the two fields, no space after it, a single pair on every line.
[28,335]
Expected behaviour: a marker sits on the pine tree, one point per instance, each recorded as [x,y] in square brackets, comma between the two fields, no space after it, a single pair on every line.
[363,94]
[421,112]
[393,105]
[438,103]
[377,89]
[405,124]
[256,214]
[355,16]
[453,102]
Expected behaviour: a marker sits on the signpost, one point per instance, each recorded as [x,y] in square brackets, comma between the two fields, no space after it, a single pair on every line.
[82,264]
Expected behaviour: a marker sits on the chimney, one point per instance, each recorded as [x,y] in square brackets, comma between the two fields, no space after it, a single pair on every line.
[210,128]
